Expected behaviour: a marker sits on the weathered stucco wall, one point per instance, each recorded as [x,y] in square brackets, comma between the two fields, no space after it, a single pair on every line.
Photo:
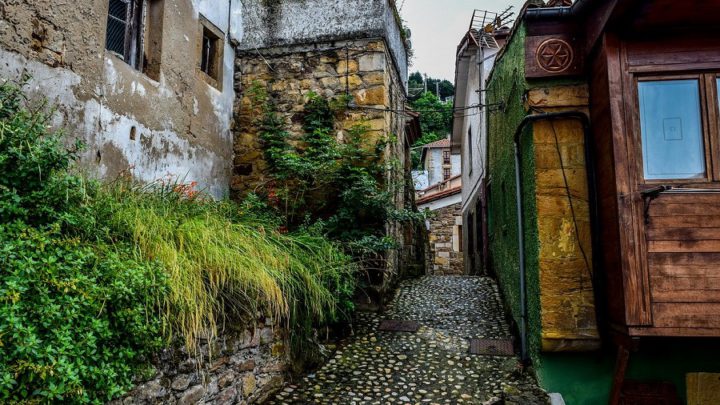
[445,256]
[177,126]
[273,23]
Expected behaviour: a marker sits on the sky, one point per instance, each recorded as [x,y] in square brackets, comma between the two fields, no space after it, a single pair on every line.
[437,27]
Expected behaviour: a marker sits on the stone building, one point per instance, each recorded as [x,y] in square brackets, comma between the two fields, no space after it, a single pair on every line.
[147,85]
[444,254]
[351,48]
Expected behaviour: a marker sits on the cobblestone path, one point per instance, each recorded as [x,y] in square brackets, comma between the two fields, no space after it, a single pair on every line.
[430,366]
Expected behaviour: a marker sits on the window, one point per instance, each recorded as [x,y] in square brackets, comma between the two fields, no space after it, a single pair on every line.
[134,33]
[446,157]
[671,129]
[124,31]
[211,52]
[446,174]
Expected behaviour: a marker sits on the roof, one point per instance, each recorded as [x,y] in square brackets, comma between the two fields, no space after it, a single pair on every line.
[443,143]
[439,196]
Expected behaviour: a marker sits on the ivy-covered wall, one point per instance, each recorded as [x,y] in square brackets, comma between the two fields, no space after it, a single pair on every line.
[506,88]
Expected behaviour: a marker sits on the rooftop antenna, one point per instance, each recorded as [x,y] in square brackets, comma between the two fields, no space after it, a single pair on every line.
[484,24]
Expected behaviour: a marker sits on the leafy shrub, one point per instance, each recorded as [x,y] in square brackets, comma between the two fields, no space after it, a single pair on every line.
[35,186]
[74,319]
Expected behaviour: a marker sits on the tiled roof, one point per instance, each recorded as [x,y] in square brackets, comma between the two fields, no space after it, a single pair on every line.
[438,196]
[443,143]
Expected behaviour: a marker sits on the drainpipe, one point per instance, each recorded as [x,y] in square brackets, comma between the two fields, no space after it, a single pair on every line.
[594,222]
[579,7]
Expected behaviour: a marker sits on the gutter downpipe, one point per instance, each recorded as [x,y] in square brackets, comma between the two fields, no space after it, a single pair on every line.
[557,12]
[592,199]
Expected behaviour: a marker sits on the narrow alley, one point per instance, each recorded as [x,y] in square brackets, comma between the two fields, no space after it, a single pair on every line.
[432,365]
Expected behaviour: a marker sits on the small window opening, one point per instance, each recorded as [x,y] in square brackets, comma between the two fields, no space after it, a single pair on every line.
[211,52]
[124,35]
[446,174]
[446,157]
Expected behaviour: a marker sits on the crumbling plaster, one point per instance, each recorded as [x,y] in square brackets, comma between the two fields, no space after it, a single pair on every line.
[276,23]
[181,125]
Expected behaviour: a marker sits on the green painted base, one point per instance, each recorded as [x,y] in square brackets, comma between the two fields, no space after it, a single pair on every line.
[585,378]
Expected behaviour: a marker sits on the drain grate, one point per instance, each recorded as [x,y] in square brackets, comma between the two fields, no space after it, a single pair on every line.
[391,325]
[492,347]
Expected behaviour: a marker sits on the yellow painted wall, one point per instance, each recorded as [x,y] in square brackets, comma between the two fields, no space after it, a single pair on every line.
[565,260]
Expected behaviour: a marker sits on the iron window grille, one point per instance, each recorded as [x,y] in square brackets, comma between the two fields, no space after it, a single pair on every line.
[124,35]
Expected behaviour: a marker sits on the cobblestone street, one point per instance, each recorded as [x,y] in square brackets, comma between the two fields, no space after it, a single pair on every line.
[430,366]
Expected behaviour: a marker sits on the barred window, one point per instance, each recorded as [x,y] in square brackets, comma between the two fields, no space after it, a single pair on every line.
[124,36]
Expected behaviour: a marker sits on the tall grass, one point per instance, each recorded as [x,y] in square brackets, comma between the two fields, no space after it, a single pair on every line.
[221,267]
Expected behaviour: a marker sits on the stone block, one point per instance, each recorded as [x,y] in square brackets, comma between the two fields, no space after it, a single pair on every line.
[354,81]
[182,382]
[374,79]
[444,254]
[192,396]
[372,96]
[372,62]
[248,385]
[345,67]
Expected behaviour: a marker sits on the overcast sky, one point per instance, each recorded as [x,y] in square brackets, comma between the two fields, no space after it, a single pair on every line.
[438,26]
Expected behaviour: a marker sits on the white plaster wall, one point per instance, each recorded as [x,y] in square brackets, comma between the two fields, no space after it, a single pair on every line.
[473,171]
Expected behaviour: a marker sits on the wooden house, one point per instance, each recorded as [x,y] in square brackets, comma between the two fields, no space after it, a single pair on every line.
[639,81]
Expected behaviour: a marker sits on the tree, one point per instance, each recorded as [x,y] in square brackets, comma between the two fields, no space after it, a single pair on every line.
[435,116]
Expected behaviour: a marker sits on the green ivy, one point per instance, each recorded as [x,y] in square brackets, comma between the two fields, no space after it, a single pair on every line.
[321,181]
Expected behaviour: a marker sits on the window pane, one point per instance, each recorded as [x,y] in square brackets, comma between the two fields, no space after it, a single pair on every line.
[672,137]
[116,26]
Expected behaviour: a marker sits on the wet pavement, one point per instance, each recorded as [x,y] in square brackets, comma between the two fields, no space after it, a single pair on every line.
[430,366]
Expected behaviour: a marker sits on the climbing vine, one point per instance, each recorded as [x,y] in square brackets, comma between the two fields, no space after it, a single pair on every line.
[337,186]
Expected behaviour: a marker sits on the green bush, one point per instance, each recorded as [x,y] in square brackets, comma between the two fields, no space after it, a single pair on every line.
[74,318]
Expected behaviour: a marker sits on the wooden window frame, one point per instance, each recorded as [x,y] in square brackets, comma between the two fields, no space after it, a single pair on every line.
[710,133]
[215,77]
[446,157]
[134,33]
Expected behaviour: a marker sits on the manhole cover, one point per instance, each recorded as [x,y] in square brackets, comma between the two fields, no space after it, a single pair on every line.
[492,347]
[398,326]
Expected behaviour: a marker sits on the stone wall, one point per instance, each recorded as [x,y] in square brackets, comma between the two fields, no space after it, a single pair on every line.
[278,23]
[444,256]
[244,367]
[362,69]
[173,123]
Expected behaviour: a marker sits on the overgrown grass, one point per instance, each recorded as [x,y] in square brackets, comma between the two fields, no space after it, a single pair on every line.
[221,264]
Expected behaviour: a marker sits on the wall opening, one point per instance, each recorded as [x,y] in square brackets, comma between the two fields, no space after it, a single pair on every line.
[154,38]
[211,53]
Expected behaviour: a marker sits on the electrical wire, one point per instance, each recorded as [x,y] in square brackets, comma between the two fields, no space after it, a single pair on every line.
[572,208]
